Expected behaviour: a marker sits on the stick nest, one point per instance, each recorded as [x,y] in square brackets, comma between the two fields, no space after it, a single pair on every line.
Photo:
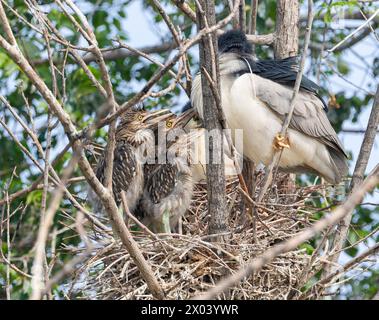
[189,263]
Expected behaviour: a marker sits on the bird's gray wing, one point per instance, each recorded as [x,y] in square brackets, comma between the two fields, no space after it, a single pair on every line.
[308,116]
[284,71]
[161,182]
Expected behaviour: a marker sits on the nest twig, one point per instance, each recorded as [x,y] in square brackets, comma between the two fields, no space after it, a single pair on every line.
[188,264]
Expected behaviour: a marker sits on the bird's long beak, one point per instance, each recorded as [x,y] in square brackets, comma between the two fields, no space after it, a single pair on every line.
[181,120]
[153,118]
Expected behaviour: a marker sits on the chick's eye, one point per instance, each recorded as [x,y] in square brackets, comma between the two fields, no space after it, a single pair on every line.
[140,117]
[169,124]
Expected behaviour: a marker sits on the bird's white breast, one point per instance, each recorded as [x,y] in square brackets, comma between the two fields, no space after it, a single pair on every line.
[243,110]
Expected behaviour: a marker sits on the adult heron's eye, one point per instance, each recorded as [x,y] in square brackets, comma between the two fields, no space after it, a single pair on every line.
[169,124]
[140,117]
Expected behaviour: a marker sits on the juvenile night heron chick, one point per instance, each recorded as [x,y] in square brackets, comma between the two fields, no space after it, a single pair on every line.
[256,96]
[168,186]
[134,138]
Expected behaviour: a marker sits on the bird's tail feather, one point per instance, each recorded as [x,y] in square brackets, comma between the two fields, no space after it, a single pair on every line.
[339,162]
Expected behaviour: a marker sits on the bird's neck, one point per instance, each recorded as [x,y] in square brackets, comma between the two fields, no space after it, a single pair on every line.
[234,63]
[231,66]
[138,138]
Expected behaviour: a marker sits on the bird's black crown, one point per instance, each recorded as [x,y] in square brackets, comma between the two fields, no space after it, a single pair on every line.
[234,41]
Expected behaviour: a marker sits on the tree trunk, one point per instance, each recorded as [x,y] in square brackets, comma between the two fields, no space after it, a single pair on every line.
[286,44]
[287,28]
[215,167]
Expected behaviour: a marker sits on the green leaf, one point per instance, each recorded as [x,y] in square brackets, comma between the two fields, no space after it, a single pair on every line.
[117,23]
[328,16]
[99,18]
[34,197]
[344,3]
[308,248]
[343,67]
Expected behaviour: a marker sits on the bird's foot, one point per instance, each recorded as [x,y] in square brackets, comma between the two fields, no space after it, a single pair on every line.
[281,142]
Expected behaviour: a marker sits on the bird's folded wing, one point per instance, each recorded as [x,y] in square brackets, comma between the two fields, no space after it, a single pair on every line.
[308,117]
[284,71]
[161,182]
[124,167]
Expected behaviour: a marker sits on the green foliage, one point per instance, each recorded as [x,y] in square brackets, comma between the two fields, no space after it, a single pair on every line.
[82,101]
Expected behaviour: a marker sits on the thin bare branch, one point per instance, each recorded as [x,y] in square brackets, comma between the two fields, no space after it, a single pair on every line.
[256,264]
[367,144]
[186,9]
[253,17]
[262,39]
[6,26]
[104,195]
[283,133]
[163,70]
[168,22]
[363,25]
[359,171]
[43,232]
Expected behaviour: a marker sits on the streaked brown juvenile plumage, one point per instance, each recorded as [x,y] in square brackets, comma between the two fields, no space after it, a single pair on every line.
[160,180]
[168,187]
[134,138]
[126,170]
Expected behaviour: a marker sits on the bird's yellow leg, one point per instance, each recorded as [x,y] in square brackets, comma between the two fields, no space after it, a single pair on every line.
[281,142]
[163,225]
[166,221]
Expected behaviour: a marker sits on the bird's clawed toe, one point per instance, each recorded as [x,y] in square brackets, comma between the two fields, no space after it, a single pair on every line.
[281,142]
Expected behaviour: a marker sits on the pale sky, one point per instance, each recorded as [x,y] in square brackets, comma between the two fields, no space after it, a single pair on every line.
[143,32]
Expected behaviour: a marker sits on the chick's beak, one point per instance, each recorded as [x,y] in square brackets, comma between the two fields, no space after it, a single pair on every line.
[181,120]
[153,118]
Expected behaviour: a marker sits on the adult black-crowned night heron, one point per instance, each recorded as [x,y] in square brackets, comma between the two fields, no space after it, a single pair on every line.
[256,97]
[168,186]
[134,138]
